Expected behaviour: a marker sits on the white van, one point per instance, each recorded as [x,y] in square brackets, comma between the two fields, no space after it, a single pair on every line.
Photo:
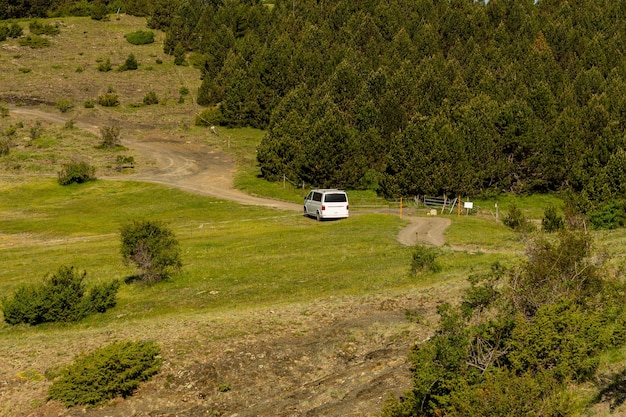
[326,204]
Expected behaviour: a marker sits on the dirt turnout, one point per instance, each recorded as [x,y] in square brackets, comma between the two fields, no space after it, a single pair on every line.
[331,357]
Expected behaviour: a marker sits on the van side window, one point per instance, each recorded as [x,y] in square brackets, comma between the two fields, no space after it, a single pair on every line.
[335,198]
[317,196]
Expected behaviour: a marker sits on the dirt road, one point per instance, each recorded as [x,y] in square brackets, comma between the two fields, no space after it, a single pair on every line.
[199,169]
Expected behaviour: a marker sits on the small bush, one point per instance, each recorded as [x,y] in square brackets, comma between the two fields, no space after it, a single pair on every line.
[89,103]
[424,258]
[110,137]
[5,145]
[109,100]
[62,297]
[24,70]
[611,216]
[15,31]
[210,117]
[152,247]
[112,371]
[551,221]
[123,161]
[150,98]
[4,112]
[179,55]
[105,66]
[516,220]
[130,64]
[37,28]
[64,105]
[99,11]
[140,37]
[36,131]
[76,172]
[34,42]
[4,33]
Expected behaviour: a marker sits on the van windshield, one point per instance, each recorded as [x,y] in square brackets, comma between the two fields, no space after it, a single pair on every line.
[335,198]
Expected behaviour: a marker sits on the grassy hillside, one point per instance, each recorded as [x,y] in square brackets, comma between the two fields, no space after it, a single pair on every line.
[249,273]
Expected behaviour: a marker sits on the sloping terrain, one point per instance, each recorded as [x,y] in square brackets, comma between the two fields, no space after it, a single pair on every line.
[339,356]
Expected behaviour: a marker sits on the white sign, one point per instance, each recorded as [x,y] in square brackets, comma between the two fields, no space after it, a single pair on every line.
[468,205]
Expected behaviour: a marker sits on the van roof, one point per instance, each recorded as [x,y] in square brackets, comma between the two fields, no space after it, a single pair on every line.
[326,190]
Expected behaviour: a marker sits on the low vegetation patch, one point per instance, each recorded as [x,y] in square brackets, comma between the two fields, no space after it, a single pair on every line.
[64,105]
[76,172]
[112,371]
[61,297]
[37,28]
[140,37]
[150,98]
[130,64]
[520,337]
[425,258]
[34,42]
[109,100]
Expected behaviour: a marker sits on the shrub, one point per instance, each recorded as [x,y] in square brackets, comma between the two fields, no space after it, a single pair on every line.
[64,105]
[34,42]
[108,372]
[76,172]
[140,37]
[15,31]
[37,28]
[89,104]
[610,216]
[4,33]
[179,54]
[99,10]
[35,131]
[150,98]
[152,247]
[105,66]
[122,161]
[516,220]
[424,257]
[210,117]
[5,145]
[62,297]
[108,100]
[551,221]
[130,64]
[110,137]
[4,112]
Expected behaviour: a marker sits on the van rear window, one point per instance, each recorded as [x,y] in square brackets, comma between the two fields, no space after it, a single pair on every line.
[335,198]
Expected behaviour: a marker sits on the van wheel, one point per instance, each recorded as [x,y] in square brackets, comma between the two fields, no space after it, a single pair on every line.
[318,216]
